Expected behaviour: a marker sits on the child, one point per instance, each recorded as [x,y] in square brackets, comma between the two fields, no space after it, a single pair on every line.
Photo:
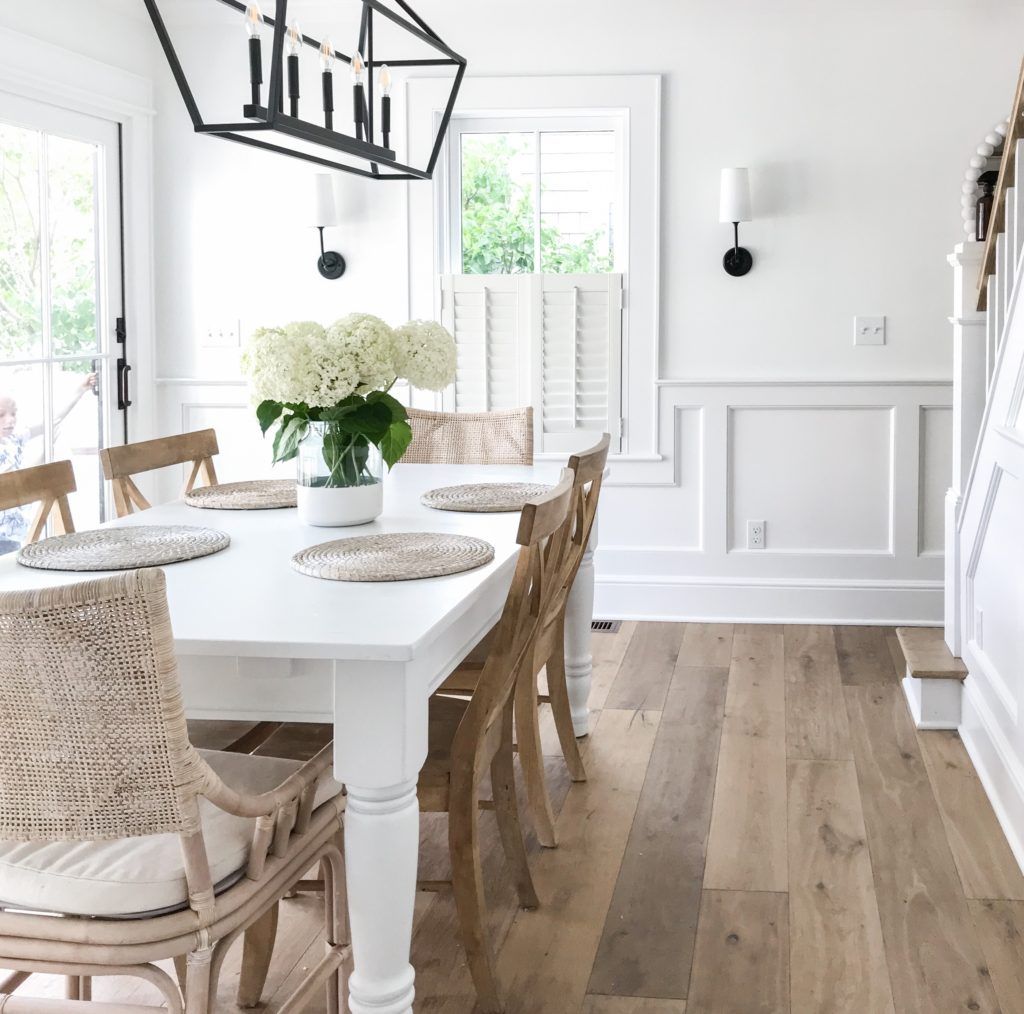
[15,521]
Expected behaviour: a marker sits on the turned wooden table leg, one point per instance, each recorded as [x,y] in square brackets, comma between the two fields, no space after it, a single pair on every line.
[579,614]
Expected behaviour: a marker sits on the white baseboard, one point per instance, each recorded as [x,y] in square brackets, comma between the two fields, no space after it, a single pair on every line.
[1000,771]
[934,704]
[783,600]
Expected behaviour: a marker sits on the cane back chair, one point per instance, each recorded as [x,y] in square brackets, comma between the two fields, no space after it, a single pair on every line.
[471,438]
[109,818]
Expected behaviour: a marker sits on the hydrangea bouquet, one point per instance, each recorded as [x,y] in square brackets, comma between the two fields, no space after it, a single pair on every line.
[333,383]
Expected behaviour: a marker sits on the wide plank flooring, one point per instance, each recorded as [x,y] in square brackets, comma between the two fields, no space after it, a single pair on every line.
[762,830]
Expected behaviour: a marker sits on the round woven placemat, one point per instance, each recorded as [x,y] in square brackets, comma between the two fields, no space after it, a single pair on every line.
[123,548]
[397,556]
[257,495]
[483,497]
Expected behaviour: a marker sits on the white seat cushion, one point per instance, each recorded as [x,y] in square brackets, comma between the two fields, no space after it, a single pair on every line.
[141,875]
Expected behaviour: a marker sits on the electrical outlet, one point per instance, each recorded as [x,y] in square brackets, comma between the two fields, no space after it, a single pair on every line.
[868,330]
[755,535]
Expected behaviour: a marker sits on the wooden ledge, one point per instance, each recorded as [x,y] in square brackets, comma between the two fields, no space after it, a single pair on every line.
[927,655]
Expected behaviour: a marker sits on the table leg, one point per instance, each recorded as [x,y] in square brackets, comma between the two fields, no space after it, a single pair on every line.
[381,848]
[579,614]
[380,744]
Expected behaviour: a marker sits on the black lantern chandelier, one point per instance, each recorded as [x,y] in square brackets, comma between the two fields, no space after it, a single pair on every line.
[268,126]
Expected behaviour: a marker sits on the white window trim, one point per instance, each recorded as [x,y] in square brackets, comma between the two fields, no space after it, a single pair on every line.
[635,97]
[84,85]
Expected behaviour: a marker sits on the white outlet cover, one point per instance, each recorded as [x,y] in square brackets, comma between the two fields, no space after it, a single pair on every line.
[868,330]
[755,535]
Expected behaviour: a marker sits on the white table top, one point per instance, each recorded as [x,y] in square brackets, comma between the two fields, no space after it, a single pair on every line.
[247,600]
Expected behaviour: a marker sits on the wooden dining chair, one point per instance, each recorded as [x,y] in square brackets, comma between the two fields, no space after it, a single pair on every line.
[121,464]
[469,737]
[471,438]
[145,848]
[49,486]
[588,470]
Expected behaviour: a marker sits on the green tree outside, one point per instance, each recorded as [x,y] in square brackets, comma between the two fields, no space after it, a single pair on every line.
[498,222]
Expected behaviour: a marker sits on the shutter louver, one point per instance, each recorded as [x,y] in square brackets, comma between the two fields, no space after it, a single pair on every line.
[553,341]
[580,347]
[481,312]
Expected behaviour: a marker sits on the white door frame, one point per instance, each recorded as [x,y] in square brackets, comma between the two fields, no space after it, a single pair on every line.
[36,70]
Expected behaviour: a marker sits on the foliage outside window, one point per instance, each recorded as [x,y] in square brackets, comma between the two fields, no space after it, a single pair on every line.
[501,230]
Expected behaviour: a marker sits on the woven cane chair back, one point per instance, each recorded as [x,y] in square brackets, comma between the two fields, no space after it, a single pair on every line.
[471,438]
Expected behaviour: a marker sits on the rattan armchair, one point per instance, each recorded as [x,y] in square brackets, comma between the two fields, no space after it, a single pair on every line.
[471,438]
[110,818]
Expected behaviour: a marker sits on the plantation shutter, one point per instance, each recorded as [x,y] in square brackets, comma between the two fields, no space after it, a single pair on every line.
[551,341]
[483,313]
[576,375]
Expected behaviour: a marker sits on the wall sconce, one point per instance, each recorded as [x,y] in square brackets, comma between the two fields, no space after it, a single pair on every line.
[734,207]
[330,264]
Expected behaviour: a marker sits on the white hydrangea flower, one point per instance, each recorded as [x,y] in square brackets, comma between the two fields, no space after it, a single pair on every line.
[299,363]
[367,342]
[424,354]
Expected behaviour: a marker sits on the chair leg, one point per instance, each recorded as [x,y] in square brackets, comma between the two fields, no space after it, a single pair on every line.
[197,981]
[531,756]
[558,692]
[468,889]
[506,810]
[335,924]
[181,971]
[257,950]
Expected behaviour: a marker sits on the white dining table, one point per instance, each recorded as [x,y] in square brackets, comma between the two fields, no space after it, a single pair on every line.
[257,640]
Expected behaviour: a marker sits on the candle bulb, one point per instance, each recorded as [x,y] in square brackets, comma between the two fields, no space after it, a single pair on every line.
[358,101]
[253,20]
[385,104]
[294,44]
[327,67]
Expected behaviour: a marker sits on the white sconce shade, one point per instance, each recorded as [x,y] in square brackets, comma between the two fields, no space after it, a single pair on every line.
[325,208]
[734,205]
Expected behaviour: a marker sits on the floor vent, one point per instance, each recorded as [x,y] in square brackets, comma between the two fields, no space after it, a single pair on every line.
[605,626]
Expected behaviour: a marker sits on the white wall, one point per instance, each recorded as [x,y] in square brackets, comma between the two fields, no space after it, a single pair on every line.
[856,118]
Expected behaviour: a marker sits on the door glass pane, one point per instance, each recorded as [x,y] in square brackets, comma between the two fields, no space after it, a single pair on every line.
[21,314]
[22,441]
[577,194]
[71,213]
[78,435]
[498,209]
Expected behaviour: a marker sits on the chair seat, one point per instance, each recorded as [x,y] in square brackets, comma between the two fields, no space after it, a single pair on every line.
[435,776]
[134,876]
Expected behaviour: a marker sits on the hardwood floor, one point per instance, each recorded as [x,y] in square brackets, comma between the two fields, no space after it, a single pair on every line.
[763,830]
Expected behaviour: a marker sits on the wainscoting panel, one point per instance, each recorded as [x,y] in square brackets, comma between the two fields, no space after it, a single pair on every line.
[784,470]
[935,465]
[849,478]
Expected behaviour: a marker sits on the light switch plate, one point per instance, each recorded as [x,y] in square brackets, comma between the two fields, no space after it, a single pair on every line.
[868,330]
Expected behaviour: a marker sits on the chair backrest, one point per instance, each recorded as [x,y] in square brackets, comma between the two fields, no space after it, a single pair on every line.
[95,744]
[471,438]
[544,531]
[587,469]
[49,485]
[120,464]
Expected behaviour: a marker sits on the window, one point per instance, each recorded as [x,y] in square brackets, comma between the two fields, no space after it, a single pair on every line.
[535,232]
[59,294]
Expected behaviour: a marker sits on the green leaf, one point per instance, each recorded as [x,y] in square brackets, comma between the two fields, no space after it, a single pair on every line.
[398,413]
[370,420]
[268,412]
[289,436]
[395,442]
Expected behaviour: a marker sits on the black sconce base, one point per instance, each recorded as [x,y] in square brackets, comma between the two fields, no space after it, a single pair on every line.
[331,265]
[737,261]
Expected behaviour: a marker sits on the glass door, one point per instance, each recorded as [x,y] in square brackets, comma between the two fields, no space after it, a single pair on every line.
[60,297]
